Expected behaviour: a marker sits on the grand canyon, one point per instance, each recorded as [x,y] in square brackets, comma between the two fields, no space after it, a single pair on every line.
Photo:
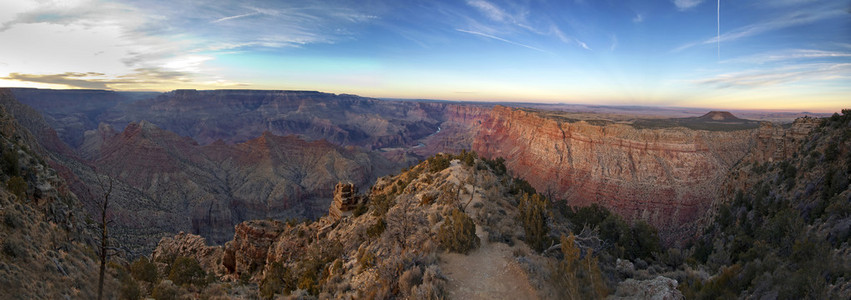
[476,149]
[235,172]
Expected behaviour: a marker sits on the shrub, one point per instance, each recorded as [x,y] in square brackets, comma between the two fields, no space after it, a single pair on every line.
[360,209]
[10,163]
[13,248]
[187,271]
[468,158]
[366,258]
[458,233]
[381,203]
[410,279]
[12,219]
[592,215]
[439,162]
[533,216]
[520,186]
[17,186]
[144,270]
[277,280]
[129,288]
[166,291]
[575,277]
[376,229]
[428,199]
[497,165]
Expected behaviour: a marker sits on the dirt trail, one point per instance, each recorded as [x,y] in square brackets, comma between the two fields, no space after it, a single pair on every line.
[489,272]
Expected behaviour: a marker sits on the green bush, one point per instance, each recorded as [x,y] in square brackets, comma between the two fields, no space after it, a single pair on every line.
[376,229]
[458,233]
[360,209]
[468,158]
[439,162]
[278,280]
[17,186]
[381,203]
[129,288]
[366,258]
[497,165]
[575,277]
[187,271]
[533,216]
[587,215]
[13,248]
[166,291]
[520,186]
[144,270]
[10,162]
[13,219]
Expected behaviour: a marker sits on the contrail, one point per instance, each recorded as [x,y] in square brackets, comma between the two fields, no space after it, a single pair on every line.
[718,38]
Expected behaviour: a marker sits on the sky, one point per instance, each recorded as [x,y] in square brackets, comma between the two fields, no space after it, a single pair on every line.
[746,54]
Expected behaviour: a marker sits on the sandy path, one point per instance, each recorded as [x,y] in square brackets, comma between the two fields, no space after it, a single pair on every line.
[490,272]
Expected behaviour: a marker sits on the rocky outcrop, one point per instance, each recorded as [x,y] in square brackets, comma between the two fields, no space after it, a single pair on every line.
[345,200]
[774,142]
[659,288]
[189,245]
[248,250]
[667,177]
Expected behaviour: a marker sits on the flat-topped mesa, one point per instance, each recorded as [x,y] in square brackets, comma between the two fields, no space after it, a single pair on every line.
[345,200]
[719,116]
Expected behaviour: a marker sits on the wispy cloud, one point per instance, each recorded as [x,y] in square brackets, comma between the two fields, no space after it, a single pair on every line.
[490,10]
[614,43]
[234,17]
[140,78]
[106,44]
[502,40]
[638,18]
[686,4]
[89,80]
[789,55]
[793,19]
[780,75]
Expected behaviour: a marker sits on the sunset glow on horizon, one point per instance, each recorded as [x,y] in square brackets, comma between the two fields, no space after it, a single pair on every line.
[760,54]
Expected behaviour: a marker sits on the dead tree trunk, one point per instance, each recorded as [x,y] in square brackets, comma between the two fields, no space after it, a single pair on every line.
[103,205]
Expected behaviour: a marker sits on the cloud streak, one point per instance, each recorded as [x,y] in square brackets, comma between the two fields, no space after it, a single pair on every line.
[142,77]
[790,20]
[776,76]
[686,4]
[235,17]
[789,55]
[502,40]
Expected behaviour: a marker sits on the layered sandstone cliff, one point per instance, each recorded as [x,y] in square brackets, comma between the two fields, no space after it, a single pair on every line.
[667,177]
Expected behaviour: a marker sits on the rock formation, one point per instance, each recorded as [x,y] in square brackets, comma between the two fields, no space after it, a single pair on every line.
[774,142]
[247,252]
[345,200]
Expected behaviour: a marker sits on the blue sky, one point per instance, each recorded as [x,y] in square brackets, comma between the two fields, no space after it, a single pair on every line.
[780,54]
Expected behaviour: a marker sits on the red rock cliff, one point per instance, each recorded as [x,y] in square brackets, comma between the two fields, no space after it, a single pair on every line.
[667,177]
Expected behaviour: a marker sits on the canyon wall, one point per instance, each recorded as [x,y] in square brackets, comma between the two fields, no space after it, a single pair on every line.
[667,177]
